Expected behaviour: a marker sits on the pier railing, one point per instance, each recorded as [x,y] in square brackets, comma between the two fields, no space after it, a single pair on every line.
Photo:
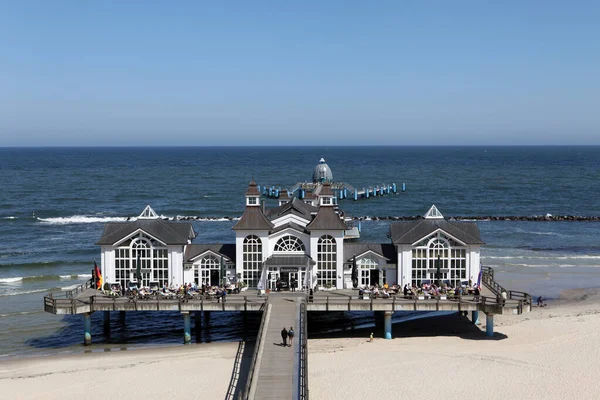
[73,305]
[487,278]
[259,339]
[303,352]
[71,294]
[418,303]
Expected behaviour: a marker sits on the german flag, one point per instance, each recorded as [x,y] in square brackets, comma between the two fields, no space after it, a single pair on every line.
[99,281]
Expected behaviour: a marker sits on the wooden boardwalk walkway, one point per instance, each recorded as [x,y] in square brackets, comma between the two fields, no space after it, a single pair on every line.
[277,366]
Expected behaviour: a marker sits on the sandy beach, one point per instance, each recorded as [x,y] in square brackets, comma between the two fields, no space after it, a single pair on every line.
[200,371]
[550,353]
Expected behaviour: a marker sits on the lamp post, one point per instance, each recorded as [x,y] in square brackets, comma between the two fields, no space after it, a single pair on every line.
[438,273]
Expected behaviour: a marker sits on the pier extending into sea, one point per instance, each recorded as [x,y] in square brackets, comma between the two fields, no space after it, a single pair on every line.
[278,372]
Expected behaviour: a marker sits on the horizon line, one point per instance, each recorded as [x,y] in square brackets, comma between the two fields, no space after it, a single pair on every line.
[290,145]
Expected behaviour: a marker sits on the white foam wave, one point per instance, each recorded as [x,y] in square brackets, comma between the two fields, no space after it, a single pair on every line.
[23,292]
[19,313]
[581,257]
[84,275]
[70,287]
[64,276]
[9,217]
[82,219]
[11,280]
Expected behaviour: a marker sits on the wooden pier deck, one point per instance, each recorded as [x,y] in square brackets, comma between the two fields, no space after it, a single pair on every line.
[277,367]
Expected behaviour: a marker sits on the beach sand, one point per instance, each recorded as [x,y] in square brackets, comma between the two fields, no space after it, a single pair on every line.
[201,371]
[550,353]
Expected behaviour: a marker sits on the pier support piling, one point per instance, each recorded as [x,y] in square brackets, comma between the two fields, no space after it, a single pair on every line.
[198,326]
[106,323]
[489,324]
[475,317]
[387,324]
[187,328]
[87,329]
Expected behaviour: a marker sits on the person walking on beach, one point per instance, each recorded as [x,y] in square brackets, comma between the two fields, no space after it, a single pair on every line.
[284,335]
[291,336]
[371,337]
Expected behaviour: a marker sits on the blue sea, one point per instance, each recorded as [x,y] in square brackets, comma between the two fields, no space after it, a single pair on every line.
[54,203]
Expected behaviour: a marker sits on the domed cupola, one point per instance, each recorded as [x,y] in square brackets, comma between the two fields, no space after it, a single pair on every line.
[322,172]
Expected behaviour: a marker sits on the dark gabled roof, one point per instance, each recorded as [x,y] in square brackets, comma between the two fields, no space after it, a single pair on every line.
[291,225]
[289,261]
[168,232]
[386,250]
[326,219]
[194,250]
[295,207]
[253,219]
[408,232]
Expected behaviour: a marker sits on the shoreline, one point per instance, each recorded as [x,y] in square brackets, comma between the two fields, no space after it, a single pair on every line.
[527,350]
[568,297]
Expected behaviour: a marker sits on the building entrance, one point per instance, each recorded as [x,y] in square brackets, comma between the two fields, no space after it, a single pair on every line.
[374,277]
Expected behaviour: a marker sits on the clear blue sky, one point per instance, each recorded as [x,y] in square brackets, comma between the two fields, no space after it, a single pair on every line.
[303,72]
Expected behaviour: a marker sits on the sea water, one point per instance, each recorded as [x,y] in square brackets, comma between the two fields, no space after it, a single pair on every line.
[54,203]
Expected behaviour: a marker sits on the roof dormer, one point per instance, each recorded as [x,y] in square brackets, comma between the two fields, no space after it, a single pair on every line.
[326,196]
[433,213]
[148,213]
[252,195]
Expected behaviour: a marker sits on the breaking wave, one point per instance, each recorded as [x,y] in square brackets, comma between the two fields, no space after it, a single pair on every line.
[44,278]
[82,219]
[11,280]
[582,257]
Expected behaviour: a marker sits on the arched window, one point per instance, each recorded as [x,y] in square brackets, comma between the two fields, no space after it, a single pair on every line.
[439,251]
[153,258]
[326,261]
[252,260]
[365,265]
[202,272]
[289,243]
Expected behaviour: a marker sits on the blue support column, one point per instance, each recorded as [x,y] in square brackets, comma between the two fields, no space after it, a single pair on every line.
[394,188]
[87,329]
[387,324]
[355,195]
[489,324]
[403,187]
[475,317]
[187,328]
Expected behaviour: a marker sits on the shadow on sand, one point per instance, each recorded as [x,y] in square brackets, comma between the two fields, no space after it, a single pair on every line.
[241,367]
[447,325]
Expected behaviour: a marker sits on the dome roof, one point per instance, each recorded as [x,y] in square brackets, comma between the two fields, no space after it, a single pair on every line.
[322,172]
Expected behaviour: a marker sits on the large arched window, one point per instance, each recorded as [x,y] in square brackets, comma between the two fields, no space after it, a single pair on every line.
[252,260]
[290,243]
[365,265]
[439,251]
[326,261]
[202,272]
[153,258]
